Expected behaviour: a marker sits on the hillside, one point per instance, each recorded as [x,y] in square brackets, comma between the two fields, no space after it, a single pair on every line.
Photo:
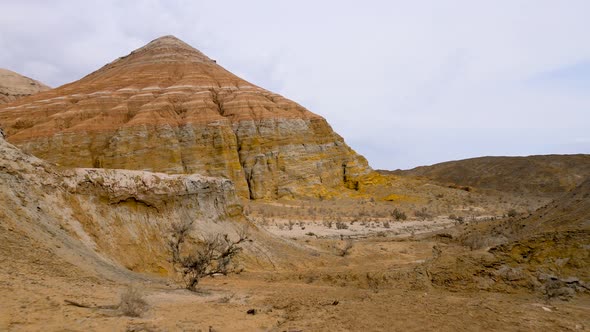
[166,107]
[539,175]
[14,86]
[545,251]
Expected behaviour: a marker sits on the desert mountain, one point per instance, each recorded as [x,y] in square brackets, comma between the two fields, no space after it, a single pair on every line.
[166,107]
[14,86]
[550,175]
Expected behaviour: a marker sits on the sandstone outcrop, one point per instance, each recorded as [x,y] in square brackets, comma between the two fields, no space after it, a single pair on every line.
[167,107]
[14,86]
[108,217]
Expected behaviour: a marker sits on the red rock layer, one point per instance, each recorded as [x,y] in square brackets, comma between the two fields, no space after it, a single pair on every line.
[167,107]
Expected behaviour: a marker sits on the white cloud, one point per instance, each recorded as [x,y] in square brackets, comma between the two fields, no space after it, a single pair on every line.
[395,78]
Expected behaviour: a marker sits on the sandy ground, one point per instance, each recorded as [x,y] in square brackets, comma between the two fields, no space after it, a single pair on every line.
[384,227]
[372,288]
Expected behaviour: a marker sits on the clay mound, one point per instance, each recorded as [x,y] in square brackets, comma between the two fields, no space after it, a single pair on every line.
[167,107]
[14,86]
[550,175]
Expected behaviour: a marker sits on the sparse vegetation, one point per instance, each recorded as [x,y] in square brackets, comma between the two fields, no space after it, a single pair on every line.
[512,213]
[132,303]
[341,225]
[213,255]
[398,215]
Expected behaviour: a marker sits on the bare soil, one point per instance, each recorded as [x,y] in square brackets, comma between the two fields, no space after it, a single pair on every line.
[379,285]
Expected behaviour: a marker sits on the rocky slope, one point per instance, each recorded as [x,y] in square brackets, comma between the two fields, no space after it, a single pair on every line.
[550,175]
[14,86]
[167,107]
[546,251]
[112,218]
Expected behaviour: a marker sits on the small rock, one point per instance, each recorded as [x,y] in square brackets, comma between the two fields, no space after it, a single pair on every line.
[251,312]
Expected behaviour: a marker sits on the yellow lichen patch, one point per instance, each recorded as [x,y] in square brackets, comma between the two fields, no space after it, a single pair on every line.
[400,198]
[373,179]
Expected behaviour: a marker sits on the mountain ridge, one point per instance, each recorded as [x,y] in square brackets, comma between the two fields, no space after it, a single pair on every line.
[537,174]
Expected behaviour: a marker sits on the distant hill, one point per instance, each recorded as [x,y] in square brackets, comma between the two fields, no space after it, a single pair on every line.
[14,86]
[542,175]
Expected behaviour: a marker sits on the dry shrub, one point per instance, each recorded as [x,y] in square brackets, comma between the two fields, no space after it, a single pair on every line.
[132,303]
[398,215]
[341,225]
[214,255]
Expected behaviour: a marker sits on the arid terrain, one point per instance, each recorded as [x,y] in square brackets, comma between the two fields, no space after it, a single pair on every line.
[100,178]
[14,86]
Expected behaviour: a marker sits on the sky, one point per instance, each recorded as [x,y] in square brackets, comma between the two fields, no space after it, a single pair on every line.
[406,83]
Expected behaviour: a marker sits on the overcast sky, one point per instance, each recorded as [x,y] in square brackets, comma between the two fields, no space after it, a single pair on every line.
[406,83]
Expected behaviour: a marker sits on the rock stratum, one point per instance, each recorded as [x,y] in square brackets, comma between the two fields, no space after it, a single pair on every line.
[111,218]
[166,107]
[14,86]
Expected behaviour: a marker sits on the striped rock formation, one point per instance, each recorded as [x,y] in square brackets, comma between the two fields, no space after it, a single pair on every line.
[14,86]
[167,107]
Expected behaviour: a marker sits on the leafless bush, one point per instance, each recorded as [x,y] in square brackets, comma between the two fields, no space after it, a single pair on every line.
[386,224]
[341,225]
[213,256]
[328,223]
[132,303]
[512,213]
[398,215]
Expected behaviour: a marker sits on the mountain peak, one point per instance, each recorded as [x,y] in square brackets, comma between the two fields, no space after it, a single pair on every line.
[168,41]
[163,50]
[167,107]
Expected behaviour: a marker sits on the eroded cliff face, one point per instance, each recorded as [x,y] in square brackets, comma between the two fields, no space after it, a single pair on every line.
[168,108]
[99,219]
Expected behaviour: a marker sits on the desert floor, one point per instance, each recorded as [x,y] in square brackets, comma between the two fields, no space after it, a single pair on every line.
[375,286]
